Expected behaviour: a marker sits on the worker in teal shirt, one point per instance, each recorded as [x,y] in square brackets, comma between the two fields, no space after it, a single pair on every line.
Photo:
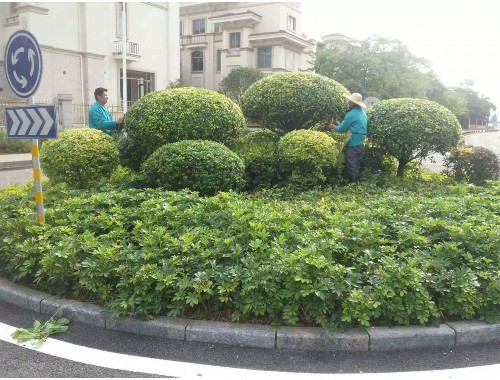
[99,116]
[355,122]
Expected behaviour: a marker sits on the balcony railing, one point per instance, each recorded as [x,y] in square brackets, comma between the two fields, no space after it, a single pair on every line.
[196,39]
[132,48]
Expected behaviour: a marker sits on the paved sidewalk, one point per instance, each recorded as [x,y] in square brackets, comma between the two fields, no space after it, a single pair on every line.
[15,161]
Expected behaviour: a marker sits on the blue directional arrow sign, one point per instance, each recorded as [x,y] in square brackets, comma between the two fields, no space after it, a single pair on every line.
[31,122]
[23,63]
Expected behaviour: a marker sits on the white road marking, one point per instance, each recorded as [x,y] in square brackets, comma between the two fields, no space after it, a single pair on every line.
[183,370]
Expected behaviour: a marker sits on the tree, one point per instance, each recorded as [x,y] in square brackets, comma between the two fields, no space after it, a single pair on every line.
[411,129]
[478,106]
[238,81]
[380,67]
[290,101]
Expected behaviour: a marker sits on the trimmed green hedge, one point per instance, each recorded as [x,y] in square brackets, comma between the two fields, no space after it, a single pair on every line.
[307,158]
[203,166]
[177,114]
[80,157]
[290,101]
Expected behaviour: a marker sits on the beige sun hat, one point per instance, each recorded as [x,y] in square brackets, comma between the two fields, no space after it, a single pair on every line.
[356,98]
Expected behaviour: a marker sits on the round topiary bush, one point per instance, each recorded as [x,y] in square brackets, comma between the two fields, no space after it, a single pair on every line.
[79,157]
[290,101]
[130,153]
[474,164]
[177,114]
[411,129]
[260,136]
[307,158]
[203,166]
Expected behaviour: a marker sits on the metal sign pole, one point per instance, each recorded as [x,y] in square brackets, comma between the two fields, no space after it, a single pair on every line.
[37,175]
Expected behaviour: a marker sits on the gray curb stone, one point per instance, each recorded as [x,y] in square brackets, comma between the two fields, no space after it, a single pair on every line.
[411,337]
[474,332]
[164,327]
[320,339]
[21,295]
[236,334]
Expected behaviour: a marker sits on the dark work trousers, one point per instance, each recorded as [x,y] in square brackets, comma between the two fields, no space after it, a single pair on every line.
[353,156]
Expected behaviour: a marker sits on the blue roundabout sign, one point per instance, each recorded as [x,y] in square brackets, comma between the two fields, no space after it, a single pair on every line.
[23,63]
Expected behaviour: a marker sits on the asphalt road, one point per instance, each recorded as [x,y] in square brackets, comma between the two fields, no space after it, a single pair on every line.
[19,176]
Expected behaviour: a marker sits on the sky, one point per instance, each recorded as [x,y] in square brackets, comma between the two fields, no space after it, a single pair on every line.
[460,39]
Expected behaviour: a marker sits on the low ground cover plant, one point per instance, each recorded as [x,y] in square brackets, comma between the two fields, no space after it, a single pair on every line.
[409,252]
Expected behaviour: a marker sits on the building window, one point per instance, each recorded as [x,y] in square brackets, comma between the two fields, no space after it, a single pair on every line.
[199,26]
[264,58]
[292,23]
[197,61]
[181,28]
[234,40]
[119,10]
[216,28]
[219,60]
[139,83]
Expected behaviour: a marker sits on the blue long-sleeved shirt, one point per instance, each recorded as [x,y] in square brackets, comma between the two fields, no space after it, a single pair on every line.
[355,121]
[100,118]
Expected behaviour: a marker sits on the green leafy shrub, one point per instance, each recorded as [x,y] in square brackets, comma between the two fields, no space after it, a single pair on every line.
[13,145]
[203,166]
[81,157]
[238,80]
[411,129]
[290,101]
[415,252]
[177,114]
[376,160]
[307,158]
[131,152]
[472,164]
[259,151]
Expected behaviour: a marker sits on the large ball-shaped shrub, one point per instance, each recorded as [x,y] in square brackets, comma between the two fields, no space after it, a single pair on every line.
[198,165]
[290,101]
[80,157]
[307,158]
[186,113]
[410,129]
[474,164]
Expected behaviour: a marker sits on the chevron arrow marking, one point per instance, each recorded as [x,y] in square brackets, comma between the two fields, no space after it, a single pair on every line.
[15,121]
[26,122]
[36,119]
[49,122]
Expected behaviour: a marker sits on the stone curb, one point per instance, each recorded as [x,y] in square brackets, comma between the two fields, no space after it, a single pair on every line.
[248,335]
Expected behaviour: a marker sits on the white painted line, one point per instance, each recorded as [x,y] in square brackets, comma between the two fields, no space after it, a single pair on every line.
[183,370]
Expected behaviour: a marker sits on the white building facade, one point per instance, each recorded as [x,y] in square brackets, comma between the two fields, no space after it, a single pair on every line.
[217,37]
[81,46]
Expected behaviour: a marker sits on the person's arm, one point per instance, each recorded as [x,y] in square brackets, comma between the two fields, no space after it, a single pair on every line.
[102,119]
[344,126]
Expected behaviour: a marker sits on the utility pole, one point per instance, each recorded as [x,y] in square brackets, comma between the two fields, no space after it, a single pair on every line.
[124,57]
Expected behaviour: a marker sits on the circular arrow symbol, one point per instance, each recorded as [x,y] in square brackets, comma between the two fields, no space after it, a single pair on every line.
[23,63]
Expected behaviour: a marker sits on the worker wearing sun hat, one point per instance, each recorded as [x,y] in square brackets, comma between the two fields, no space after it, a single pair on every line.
[354,122]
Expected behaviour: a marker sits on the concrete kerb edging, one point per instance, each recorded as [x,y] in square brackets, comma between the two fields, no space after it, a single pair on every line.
[447,335]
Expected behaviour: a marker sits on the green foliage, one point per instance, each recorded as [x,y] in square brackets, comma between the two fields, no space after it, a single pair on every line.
[178,83]
[40,332]
[177,114]
[376,160]
[411,129]
[290,101]
[259,151]
[81,157]
[13,145]
[203,166]
[238,81]
[379,66]
[414,251]
[131,152]
[472,164]
[307,158]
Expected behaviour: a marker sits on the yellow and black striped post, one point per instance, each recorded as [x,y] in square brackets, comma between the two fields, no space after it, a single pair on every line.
[37,175]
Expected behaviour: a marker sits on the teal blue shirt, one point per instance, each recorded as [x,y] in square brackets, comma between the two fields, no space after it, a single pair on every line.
[356,122]
[100,118]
